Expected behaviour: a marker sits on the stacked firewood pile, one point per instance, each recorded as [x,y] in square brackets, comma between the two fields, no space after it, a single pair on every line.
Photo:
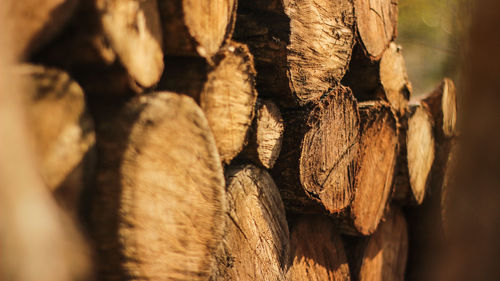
[236,140]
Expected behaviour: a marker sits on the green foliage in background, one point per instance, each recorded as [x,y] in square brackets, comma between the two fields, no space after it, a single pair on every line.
[432,33]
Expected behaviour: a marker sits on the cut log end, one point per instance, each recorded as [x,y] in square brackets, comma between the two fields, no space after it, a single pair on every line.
[134,32]
[376,24]
[377,159]
[394,79]
[320,149]
[442,104]
[158,157]
[317,261]
[384,256]
[266,135]
[63,131]
[417,156]
[256,243]
[197,28]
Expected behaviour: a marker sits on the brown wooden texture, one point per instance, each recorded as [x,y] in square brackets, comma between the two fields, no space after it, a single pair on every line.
[63,132]
[37,240]
[265,135]
[316,168]
[119,47]
[317,251]
[376,165]
[256,243]
[416,156]
[34,23]
[442,104]
[198,28]
[158,209]
[376,23]
[382,256]
[301,47]
[226,94]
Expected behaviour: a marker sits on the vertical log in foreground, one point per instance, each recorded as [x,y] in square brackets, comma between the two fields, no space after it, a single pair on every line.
[376,164]
[193,27]
[382,256]
[226,94]
[301,47]
[63,132]
[316,168]
[158,211]
[256,243]
[416,155]
[317,251]
[266,135]
[376,23]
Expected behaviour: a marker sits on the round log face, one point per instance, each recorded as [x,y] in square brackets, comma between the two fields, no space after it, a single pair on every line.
[449,107]
[385,255]
[420,151]
[228,99]
[376,22]
[257,239]
[378,151]
[321,42]
[209,22]
[268,133]
[330,150]
[394,78]
[317,251]
[134,32]
[160,204]
[63,130]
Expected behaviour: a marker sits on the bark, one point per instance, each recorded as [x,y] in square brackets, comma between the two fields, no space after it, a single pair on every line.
[256,243]
[383,255]
[416,156]
[158,209]
[63,132]
[376,23]
[316,168]
[380,80]
[301,47]
[376,165]
[317,251]
[197,28]
[226,93]
[442,104]
[266,135]
[37,240]
[33,23]
[119,47]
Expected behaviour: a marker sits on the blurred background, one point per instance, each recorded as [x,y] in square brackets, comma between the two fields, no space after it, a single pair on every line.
[432,34]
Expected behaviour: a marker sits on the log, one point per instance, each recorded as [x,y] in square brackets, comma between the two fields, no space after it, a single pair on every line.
[317,251]
[376,165]
[256,243]
[158,209]
[376,23]
[265,135]
[32,23]
[442,105]
[301,47]
[383,255]
[63,132]
[226,93]
[415,157]
[380,80]
[39,241]
[119,48]
[317,164]
[197,28]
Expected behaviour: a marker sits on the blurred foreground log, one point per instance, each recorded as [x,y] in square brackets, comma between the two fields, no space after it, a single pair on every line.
[158,211]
